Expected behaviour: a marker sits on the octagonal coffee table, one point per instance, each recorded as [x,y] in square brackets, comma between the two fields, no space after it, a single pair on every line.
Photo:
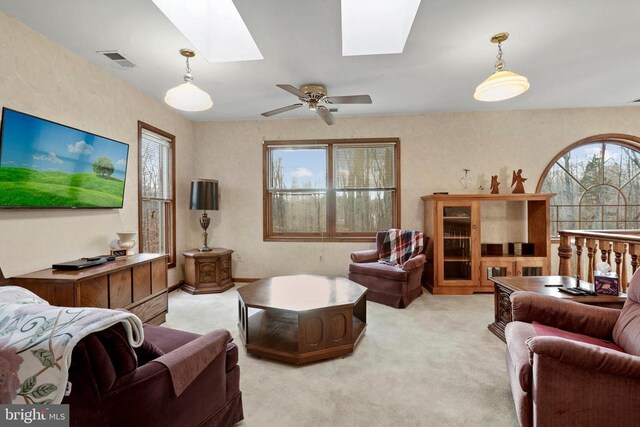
[302,319]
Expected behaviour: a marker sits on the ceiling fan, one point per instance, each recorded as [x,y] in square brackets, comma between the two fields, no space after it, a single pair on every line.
[313,95]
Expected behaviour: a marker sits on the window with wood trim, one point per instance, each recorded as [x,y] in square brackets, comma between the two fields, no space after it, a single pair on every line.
[331,190]
[156,191]
[597,184]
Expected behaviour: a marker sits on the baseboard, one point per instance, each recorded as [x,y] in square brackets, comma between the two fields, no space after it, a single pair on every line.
[176,286]
[235,279]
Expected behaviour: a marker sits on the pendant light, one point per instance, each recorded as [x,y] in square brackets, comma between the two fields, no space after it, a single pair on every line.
[502,84]
[187,96]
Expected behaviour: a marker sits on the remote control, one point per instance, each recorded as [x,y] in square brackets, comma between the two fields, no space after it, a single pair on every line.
[572,291]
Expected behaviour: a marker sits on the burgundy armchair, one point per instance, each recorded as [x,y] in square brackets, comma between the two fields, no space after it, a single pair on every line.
[395,286]
[114,384]
[583,371]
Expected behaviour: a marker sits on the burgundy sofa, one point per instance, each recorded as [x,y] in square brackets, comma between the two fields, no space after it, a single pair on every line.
[116,385]
[565,379]
[391,285]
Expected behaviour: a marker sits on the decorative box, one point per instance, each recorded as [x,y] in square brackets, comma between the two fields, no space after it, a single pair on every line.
[491,249]
[521,249]
[605,283]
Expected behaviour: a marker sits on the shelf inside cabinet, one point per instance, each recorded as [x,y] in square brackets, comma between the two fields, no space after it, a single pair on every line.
[461,276]
[459,269]
[458,219]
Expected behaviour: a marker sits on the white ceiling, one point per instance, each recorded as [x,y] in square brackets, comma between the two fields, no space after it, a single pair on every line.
[576,53]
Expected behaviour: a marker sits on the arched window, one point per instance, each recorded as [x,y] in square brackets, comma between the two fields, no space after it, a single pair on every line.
[597,184]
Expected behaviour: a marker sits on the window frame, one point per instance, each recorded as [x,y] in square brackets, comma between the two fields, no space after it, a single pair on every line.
[629,141]
[169,228]
[331,235]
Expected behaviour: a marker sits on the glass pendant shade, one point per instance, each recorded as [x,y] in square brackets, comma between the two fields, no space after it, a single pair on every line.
[501,85]
[188,97]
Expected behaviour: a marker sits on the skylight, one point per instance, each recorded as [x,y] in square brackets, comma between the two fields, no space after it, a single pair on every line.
[215,28]
[376,27]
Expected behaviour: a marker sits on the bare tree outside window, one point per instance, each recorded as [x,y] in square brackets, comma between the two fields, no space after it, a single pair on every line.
[156,198]
[298,189]
[364,180]
[330,189]
[597,186]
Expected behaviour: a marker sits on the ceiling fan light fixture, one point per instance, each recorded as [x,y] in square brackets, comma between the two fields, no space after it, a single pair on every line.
[314,95]
[502,84]
[187,96]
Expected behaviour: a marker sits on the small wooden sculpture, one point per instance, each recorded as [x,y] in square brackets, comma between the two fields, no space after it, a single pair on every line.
[518,181]
[495,184]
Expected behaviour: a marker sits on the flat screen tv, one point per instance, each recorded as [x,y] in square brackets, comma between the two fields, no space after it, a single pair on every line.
[48,165]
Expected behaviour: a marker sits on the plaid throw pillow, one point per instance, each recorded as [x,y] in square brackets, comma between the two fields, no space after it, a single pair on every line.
[400,245]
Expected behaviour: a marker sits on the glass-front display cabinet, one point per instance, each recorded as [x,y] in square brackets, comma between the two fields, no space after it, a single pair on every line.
[459,235]
[456,263]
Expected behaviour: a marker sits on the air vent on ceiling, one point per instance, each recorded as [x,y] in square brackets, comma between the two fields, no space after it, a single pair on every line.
[117,57]
[333,110]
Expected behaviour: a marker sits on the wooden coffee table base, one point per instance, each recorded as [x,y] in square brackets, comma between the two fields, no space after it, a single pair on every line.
[301,336]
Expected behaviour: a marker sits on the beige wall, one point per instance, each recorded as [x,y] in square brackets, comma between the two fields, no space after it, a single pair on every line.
[435,149]
[40,77]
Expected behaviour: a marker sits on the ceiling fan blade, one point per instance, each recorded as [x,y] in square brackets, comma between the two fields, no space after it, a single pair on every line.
[349,99]
[293,90]
[325,115]
[281,110]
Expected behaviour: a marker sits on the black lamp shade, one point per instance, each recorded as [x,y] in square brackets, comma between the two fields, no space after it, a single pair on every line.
[204,195]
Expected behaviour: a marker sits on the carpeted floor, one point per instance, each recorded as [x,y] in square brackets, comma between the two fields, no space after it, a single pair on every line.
[432,364]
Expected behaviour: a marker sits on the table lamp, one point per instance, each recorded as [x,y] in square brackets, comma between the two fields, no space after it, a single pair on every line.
[204,196]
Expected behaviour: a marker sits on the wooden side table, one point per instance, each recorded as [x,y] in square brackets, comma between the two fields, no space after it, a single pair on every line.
[543,285]
[207,272]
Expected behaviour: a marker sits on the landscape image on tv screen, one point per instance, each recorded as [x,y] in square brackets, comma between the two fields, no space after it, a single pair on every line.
[48,165]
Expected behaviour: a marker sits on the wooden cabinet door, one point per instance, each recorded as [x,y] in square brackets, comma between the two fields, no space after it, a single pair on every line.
[93,293]
[158,276]
[141,281]
[457,243]
[532,267]
[120,289]
[494,268]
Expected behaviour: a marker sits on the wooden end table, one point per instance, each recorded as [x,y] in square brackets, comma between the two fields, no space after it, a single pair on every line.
[302,319]
[207,272]
[544,285]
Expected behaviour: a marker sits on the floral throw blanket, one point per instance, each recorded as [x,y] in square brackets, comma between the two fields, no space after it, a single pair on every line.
[400,245]
[36,341]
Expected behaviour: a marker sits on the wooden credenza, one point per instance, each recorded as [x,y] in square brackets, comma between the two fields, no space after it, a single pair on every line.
[137,283]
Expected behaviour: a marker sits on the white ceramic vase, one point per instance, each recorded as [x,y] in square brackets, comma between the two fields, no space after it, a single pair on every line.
[126,240]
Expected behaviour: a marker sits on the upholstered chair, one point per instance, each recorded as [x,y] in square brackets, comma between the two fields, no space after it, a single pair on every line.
[114,384]
[574,364]
[395,286]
